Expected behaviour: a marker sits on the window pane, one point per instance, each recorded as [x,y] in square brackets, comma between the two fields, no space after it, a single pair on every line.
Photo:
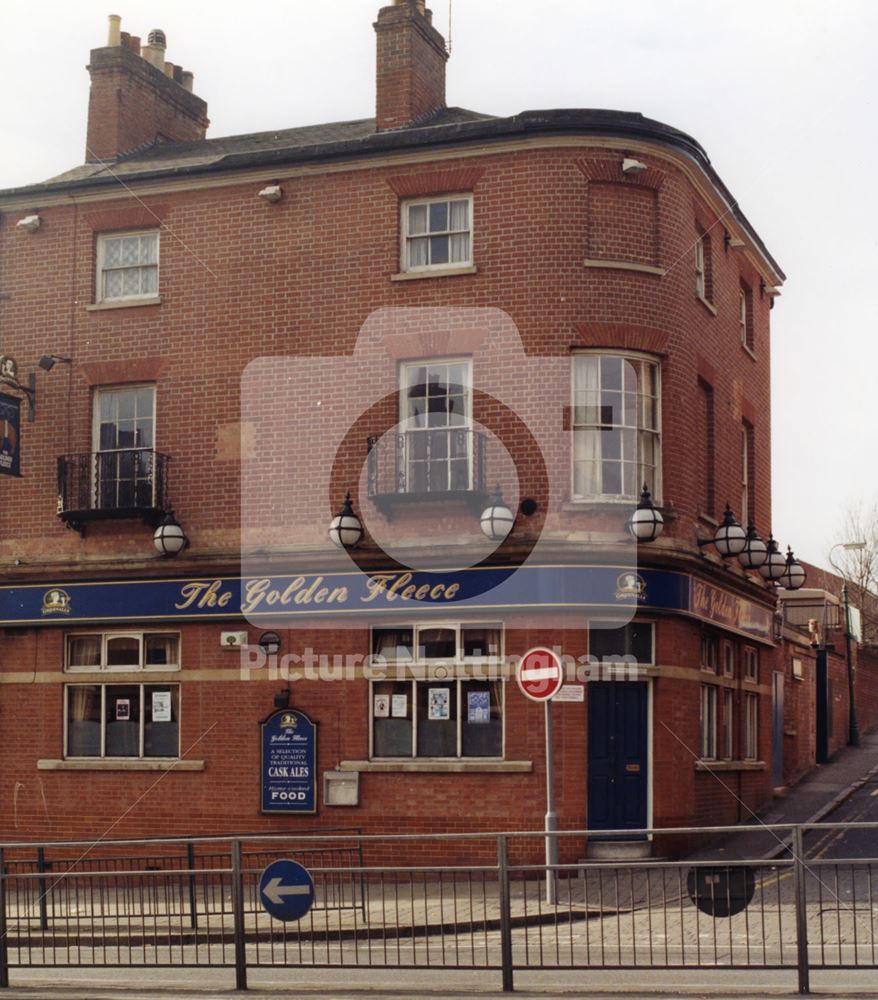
[417,219]
[149,281]
[459,215]
[437,719]
[394,644]
[481,641]
[131,250]
[439,217]
[392,719]
[112,284]
[161,728]
[437,643]
[439,250]
[112,253]
[419,252]
[84,720]
[482,723]
[123,651]
[149,248]
[633,640]
[122,720]
[84,651]
[611,372]
[162,650]
[460,248]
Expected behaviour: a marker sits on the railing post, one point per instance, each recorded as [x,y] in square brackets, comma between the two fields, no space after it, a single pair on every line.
[4,942]
[193,903]
[505,915]
[801,912]
[238,917]
[41,888]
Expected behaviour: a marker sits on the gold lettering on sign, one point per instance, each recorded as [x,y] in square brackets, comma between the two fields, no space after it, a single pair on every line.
[399,586]
[201,594]
[299,592]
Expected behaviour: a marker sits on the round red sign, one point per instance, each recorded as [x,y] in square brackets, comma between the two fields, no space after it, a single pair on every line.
[540,674]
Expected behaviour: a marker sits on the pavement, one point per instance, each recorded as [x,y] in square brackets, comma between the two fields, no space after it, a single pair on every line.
[812,800]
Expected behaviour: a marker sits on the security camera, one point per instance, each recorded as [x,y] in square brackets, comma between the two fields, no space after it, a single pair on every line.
[272,193]
[30,223]
[632,166]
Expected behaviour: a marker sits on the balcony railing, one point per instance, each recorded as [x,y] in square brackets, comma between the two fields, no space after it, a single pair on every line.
[431,463]
[112,484]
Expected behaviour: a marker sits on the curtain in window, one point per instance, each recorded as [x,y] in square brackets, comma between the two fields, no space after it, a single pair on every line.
[161,650]
[83,721]
[392,644]
[84,651]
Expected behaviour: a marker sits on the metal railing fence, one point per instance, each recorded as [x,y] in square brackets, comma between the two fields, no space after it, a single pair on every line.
[198,905]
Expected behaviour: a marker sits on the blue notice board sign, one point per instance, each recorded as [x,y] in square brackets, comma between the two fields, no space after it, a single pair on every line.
[286,890]
[289,763]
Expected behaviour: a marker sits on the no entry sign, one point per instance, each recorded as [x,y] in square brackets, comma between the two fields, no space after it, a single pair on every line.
[540,674]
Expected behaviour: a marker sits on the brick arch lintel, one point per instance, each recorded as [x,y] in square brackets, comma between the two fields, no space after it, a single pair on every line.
[132,217]
[609,170]
[622,336]
[435,181]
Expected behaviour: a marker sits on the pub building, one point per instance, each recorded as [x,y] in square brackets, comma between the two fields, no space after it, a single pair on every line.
[331,424]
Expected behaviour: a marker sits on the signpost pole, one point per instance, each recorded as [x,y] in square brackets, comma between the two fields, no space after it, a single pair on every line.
[551,815]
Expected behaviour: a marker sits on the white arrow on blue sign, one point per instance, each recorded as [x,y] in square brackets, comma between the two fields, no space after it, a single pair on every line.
[286,890]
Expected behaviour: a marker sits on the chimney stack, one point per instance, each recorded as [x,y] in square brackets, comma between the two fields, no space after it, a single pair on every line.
[411,59]
[137,98]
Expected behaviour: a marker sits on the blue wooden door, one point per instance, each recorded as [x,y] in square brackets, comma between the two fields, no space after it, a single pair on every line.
[618,755]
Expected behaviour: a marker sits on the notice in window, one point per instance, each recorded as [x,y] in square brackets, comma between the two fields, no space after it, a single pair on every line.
[381,706]
[478,706]
[439,705]
[161,706]
[399,706]
[123,709]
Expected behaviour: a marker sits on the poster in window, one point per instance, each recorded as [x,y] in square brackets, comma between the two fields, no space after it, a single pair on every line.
[439,707]
[10,424]
[478,706]
[399,706]
[381,706]
[161,706]
[123,709]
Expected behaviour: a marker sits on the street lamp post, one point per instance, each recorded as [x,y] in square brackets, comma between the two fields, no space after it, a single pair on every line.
[853,727]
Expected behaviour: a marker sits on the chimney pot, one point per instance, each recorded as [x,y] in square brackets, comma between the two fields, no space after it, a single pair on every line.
[158,39]
[187,80]
[134,44]
[169,69]
[114,30]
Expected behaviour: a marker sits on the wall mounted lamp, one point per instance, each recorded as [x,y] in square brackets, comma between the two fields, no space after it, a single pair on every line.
[346,529]
[169,537]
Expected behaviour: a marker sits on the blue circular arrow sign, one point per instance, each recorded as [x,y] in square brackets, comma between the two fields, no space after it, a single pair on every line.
[286,890]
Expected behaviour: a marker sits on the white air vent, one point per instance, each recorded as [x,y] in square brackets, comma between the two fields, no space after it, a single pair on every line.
[233,640]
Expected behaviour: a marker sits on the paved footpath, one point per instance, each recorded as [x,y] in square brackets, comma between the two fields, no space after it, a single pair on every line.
[811,801]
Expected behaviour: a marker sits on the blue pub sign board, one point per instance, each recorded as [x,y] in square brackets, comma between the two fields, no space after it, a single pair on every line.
[289,763]
[10,430]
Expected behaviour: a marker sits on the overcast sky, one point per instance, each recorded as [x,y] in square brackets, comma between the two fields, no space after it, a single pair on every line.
[778,93]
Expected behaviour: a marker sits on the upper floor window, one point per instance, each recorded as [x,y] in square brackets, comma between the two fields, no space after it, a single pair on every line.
[123,651]
[703,267]
[437,233]
[616,437]
[608,642]
[750,658]
[435,413]
[127,266]
[709,652]
[745,315]
[123,443]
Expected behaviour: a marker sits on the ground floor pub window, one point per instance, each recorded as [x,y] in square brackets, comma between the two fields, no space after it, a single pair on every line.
[122,720]
[461,717]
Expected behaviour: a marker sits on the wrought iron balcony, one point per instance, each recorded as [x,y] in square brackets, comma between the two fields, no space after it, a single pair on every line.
[430,463]
[112,484]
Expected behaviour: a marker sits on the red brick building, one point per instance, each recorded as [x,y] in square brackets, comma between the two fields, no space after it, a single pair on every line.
[414,308]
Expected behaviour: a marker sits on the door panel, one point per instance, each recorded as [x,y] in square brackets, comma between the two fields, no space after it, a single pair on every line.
[618,755]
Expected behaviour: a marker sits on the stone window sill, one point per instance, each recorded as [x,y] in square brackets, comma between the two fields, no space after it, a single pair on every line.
[125,304]
[440,272]
[709,306]
[625,265]
[120,764]
[469,766]
[729,765]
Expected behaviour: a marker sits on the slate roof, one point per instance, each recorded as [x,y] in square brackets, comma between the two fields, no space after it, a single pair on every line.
[354,139]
